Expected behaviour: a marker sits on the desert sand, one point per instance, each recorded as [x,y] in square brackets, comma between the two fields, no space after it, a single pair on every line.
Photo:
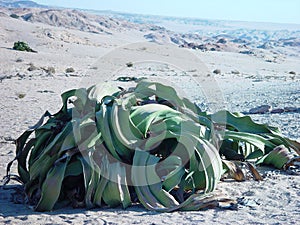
[31,83]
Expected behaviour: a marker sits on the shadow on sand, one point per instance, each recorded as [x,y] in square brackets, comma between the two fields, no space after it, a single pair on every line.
[11,205]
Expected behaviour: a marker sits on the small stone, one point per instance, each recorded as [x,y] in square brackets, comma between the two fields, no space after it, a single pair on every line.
[217,71]
[292,72]
[235,72]
[32,67]
[50,70]
[222,41]
[260,109]
[15,16]
[21,95]
[70,70]
[20,76]
[290,109]
[19,60]
[279,110]
[247,52]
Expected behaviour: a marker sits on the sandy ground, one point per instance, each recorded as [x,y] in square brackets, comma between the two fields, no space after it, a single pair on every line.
[26,95]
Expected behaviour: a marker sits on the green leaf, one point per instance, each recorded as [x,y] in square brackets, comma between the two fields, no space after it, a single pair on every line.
[51,187]
[241,123]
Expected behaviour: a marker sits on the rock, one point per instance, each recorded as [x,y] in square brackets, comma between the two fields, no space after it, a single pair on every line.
[127,79]
[49,70]
[20,76]
[247,52]
[150,36]
[279,110]
[290,109]
[19,60]
[70,70]
[260,109]
[204,48]
[32,67]
[193,45]
[292,72]
[15,16]
[293,42]
[175,40]
[222,41]
[266,45]
[235,72]
[20,95]
[217,71]
[5,77]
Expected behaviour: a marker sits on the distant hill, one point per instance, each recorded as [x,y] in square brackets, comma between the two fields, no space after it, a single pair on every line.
[205,35]
[74,19]
[20,4]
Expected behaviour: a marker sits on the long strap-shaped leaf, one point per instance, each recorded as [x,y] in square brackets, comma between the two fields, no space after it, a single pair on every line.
[52,186]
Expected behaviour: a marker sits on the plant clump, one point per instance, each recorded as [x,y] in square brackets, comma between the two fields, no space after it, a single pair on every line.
[146,145]
[22,46]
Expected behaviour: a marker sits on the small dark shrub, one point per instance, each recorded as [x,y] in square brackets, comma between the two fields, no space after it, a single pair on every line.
[129,64]
[217,71]
[22,46]
[15,16]
[70,70]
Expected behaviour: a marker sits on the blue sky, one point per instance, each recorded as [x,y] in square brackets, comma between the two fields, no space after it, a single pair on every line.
[278,11]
